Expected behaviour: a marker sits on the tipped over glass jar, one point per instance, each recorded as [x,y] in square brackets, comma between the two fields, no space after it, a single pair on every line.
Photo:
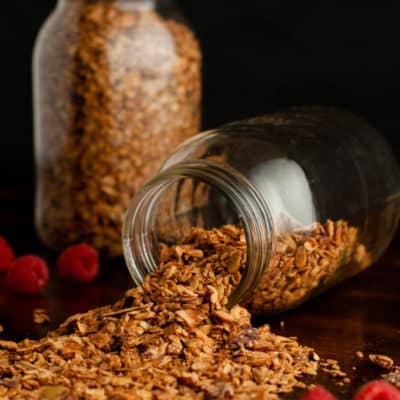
[316,190]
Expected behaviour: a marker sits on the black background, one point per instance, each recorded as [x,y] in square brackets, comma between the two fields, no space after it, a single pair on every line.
[258,56]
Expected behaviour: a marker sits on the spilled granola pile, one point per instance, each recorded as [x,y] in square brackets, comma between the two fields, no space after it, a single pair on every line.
[172,338]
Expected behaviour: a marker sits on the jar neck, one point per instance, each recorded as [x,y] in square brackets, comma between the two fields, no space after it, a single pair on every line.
[254,215]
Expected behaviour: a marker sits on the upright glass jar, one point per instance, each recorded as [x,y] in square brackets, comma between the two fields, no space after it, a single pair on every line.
[117,86]
[316,190]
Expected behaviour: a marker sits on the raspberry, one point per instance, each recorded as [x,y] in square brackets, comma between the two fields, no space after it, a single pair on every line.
[377,390]
[79,264]
[318,393]
[6,255]
[28,275]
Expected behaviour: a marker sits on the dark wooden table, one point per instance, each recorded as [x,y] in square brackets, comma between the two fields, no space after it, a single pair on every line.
[361,314]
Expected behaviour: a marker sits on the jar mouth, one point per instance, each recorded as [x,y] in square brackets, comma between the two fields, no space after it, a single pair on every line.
[138,241]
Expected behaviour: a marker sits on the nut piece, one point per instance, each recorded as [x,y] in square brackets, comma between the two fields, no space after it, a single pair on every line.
[360,355]
[190,317]
[381,361]
[40,316]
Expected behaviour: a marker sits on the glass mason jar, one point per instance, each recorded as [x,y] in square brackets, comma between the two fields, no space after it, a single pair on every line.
[315,189]
[117,86]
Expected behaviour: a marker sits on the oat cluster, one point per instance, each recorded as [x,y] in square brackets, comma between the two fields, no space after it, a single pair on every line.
[332,368]
[117,89]
[392,370]
[306,262]
[172,338]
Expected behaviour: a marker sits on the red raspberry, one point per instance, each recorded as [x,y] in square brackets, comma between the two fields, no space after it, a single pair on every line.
[28,275]
[79,264]
[377,390]
[6,255]
[318,393]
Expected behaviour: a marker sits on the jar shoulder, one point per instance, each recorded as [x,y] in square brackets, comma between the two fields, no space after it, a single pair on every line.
[122,35]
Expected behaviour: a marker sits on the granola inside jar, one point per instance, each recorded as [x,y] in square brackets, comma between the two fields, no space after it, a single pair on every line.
[315,190]
[117,86]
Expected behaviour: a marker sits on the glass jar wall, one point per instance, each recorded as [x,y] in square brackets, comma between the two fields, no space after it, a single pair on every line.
[116,89]
[316,191]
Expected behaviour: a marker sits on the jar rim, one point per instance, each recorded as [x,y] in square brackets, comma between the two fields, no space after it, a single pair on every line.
[248,202]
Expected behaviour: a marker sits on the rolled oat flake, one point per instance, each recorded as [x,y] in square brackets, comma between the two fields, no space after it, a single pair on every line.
[306,185]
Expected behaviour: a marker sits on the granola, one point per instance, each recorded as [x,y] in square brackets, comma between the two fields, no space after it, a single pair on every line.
[393,376]
[359,354]
[118,87]
[172,338]
[306,262]
[332,368]
[40,316]
[381,361]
